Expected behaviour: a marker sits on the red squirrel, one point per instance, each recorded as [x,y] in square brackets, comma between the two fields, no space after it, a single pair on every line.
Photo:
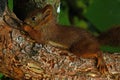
[43,28]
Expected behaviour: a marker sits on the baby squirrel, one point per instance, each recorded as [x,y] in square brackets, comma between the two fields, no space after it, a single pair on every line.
[43,28]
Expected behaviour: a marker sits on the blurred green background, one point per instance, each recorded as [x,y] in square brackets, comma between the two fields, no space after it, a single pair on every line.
[102,13]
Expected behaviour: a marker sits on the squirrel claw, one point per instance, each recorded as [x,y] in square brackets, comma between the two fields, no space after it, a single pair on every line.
[102,67]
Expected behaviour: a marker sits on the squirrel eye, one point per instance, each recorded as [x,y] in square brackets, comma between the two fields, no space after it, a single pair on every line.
[33,18]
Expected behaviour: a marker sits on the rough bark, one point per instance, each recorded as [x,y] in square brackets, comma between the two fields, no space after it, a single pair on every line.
[21,58]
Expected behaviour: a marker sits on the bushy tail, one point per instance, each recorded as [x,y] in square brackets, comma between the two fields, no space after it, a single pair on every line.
[110,37]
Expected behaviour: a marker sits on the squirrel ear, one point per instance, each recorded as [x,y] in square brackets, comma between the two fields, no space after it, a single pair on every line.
[48,11]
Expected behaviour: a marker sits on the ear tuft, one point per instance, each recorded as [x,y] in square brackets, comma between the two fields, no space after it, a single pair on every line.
[48,6]
[47,12]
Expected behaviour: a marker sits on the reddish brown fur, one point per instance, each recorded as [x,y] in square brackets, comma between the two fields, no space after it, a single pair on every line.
[77,40]
[110,37]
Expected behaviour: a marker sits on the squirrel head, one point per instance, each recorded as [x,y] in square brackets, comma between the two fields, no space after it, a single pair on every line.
[40,16]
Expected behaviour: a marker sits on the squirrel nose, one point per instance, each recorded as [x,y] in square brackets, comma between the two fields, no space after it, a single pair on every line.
[28,22]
